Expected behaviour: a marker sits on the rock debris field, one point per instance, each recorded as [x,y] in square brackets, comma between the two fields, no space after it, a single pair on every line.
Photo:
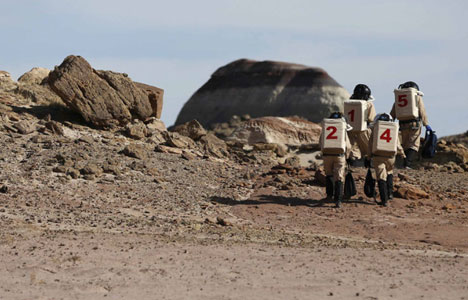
[123,213]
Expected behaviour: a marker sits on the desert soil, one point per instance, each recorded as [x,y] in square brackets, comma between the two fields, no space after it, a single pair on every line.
[166,227]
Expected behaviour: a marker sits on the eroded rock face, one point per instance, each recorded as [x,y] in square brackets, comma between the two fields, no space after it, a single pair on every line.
[264,88]
[277,130]
[103,98]
[155,97]
[34,76]
[6,82]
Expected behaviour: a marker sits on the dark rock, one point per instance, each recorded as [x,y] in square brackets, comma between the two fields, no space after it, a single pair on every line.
[103,98]
[4,189]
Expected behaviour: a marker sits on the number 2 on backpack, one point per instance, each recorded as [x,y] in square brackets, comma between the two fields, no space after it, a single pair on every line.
[331,135]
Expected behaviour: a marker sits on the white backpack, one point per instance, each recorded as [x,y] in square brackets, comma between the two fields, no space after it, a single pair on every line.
[333,136]
[385,139]
[406,107]
[356,111]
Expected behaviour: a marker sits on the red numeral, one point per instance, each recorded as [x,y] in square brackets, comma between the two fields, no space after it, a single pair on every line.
[351,115]
[402,101]
[331,135]
[386,136]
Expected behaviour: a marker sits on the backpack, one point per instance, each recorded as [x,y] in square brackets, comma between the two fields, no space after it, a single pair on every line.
[369,185]
[430,144]
[349,186]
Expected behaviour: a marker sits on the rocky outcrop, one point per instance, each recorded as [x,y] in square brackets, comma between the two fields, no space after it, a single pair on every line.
[447,151]
[277,130]
[457,138]
[264,88]
[34,76]
[31,86]
[155,97]
[103,98]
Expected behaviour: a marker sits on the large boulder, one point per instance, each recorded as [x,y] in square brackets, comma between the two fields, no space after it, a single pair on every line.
[288,131]
[265,88]
[103,98]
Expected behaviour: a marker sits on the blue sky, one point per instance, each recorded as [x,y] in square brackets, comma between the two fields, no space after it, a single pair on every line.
[177,45]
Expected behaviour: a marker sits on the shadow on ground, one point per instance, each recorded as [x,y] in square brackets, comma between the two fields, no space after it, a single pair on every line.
[57,113]
[287,201]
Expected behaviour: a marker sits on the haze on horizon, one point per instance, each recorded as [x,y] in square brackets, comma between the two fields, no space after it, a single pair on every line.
[177,45]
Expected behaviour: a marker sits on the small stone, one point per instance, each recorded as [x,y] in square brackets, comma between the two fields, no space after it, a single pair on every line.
[91,169]
[73,173]
[135,151]
[4,189]
[86,139]
[25,127]
[187,155]
[136,131]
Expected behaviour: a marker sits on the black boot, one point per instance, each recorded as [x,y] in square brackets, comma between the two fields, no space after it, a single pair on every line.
[383,192]
[338,193]
[390,186]
[329,187]
[405,161]
[410,157]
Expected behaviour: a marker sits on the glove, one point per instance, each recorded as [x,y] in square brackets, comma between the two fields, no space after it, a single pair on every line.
[428,128]
[367,163]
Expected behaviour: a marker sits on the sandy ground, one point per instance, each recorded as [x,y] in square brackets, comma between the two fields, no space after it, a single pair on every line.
[277,247]
[112,266]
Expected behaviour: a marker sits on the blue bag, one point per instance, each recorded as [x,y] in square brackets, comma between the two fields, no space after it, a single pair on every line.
[430,144]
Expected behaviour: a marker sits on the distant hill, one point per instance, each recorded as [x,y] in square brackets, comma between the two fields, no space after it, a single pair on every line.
[264,88]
